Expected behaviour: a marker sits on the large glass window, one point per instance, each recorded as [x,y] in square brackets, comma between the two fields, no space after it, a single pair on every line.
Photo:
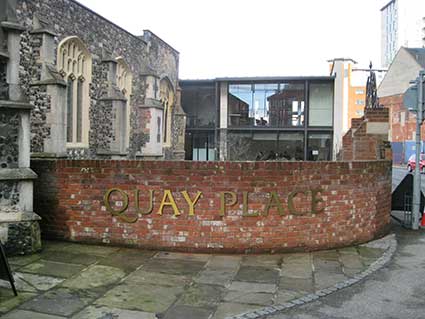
[200,146]
[291,146]
[319,147]
[199,104]
[321,104]
[266,105]
[265,146]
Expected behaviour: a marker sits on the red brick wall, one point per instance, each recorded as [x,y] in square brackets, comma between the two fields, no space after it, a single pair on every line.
[401,131]
[69,195]
[358,145]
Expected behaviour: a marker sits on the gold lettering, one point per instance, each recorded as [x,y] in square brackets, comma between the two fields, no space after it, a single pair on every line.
[168,200]
[245,207]
[291,202]
[274,202]
[149,210]
[118,213]
[190,202]
[223,205]
[315,201]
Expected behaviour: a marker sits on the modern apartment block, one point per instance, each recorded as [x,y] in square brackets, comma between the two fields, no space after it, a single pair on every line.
[402,24]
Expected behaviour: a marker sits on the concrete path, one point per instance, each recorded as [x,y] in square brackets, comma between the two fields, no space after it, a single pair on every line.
[81,281]
[395,291]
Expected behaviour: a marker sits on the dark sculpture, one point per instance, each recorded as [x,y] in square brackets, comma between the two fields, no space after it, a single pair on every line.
[372,101]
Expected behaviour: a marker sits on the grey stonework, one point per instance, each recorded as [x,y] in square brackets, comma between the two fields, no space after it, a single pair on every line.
[49,22]
[19,229]
[9,144]
[3,82]
[9,194]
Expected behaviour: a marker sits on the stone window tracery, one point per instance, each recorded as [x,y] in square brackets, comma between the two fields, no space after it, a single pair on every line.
[167,99]
[124,79]
[74,64]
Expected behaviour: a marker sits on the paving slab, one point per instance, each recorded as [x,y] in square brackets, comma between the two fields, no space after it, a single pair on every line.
[331,255]
[68,257]
[201,295]
[247,297]
[221,276]
[94,277]
[326,280]
[351,272]
[24,314]
[148,298]
[20,285]
[39,282]
[301,271]
[329,266]
[52,268]
[348,251]
[133,259]
[59,301]
[297,258]
[75,248]
[84,281]
[174,267]
[252,287]
[227,262]
[351,261]
[141,277]
[367,252]
[271,261]
[187,312]
[284,295]
[9,301]
[183,256]
[19,261]
[296,284]
[257,274]
[93,312]
[227,309]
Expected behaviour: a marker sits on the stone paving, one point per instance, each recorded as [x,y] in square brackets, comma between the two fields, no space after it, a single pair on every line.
[69,280]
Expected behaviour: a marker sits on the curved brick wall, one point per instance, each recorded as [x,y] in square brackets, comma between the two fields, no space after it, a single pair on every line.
[350,202]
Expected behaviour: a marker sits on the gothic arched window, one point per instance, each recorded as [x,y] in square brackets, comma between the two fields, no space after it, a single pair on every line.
[167,99]
[74,64]
[124,83]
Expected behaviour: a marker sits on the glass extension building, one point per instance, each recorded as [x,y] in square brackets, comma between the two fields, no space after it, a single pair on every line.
[279,118]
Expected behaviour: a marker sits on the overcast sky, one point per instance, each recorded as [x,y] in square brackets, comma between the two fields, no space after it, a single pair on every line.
[254,37]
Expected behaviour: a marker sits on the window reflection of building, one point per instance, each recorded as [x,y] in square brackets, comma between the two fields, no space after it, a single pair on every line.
[269,105]
[287,108]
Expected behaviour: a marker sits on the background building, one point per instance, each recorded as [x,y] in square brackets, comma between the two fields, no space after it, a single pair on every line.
[259,118]
[402,24]
[404,68]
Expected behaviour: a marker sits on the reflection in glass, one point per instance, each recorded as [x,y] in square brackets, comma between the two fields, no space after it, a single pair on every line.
[198,102]
[266,146]
[266,105]
[200,146]
[291,146]
[319,147]
[321,104]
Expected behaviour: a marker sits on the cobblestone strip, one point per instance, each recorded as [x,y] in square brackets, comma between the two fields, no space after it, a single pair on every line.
[389,243]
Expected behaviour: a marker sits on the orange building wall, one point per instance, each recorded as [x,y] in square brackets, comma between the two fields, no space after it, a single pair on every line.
[355,110]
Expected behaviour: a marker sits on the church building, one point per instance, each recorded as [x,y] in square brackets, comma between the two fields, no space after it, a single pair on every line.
[97,90]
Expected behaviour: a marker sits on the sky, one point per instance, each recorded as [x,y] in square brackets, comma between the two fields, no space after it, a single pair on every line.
[229,38]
